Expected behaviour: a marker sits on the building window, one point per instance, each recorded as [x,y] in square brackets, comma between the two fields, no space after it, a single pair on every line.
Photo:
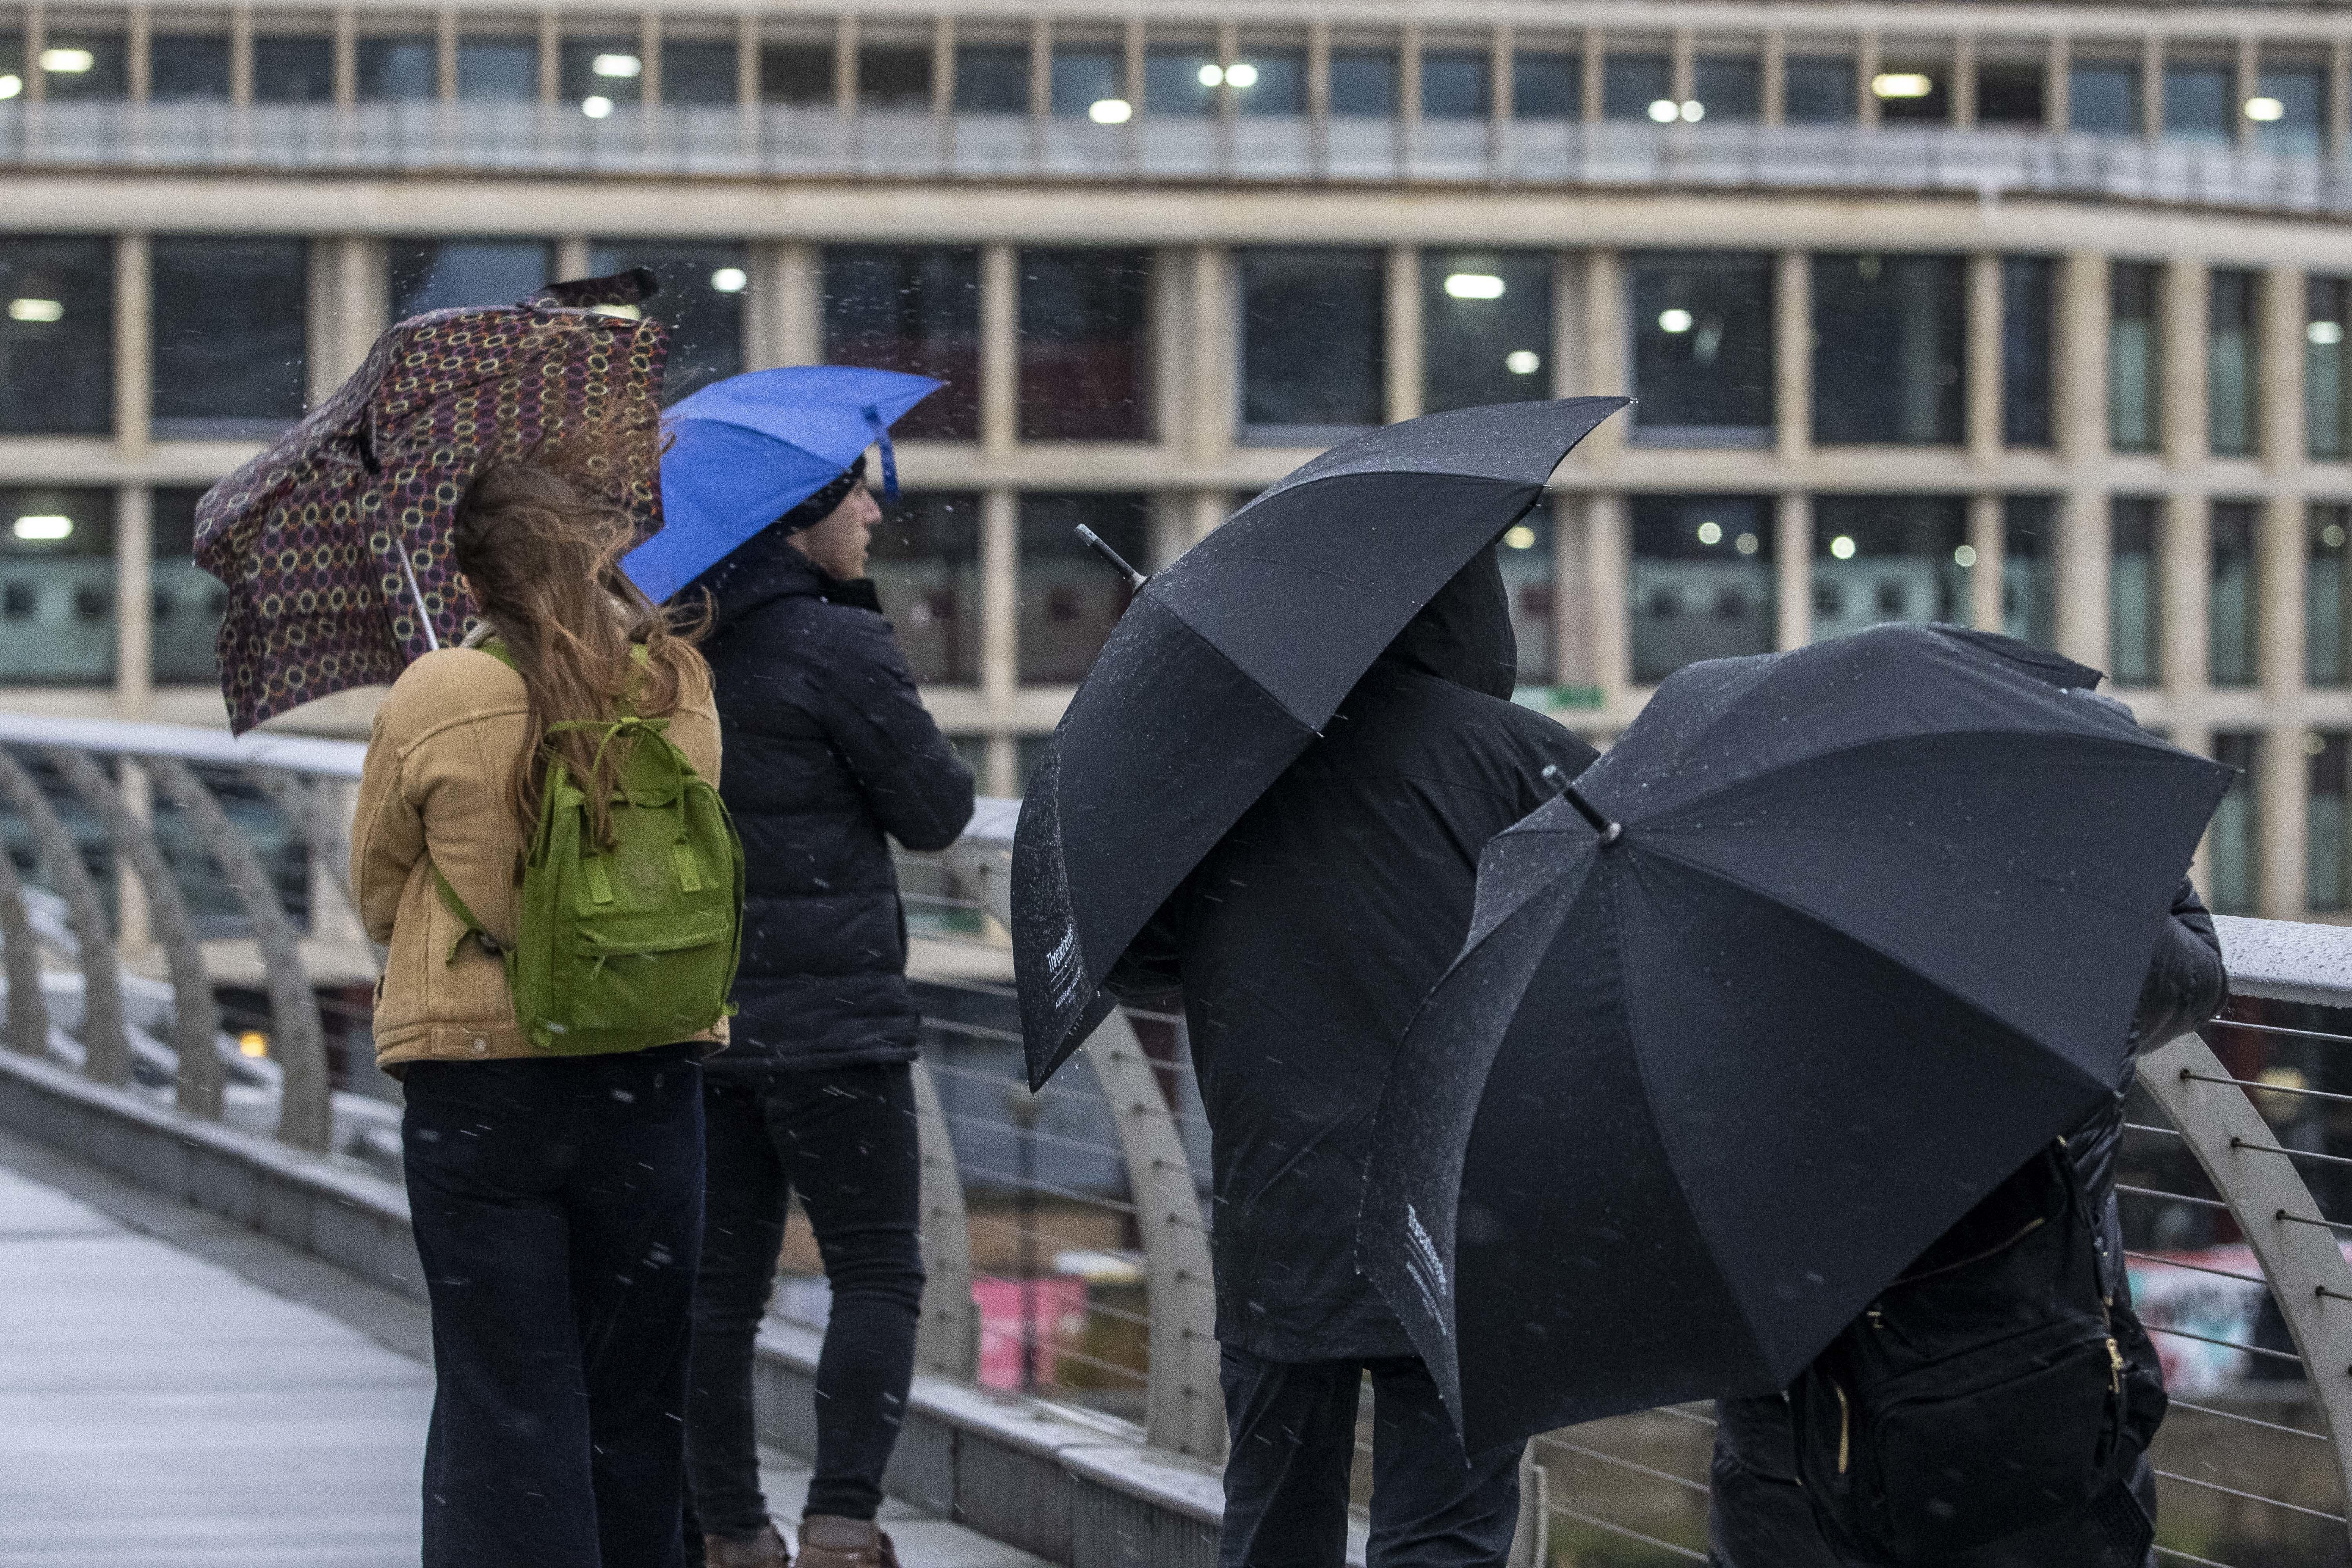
[2232,371]
[1529,577]
[57,336]
[1085,345]
[2010,92]
[991,78]
[916,309]
[596,76]
[1728,87]
[1485,323]
[390,69]
[703,288]
[2329,844]
[496,70]
[2199,102]
[77,66]
[2135,592]
[892,78]
[699,72]
[2327,387]
[230,331]
[1181,79]
[1547,85]
[2289,109]
[1364,83]
[1082,77]
[1455,85]
[2103,97]
[1818,89]
[2026,310]
[1889,558]
[1914,92]
[2028,584]
[800,75]
[2135,382]
[56,587]
[188,67]
[1889,336]
[290,67]
[1313,352]
[1701,582]
[1702,348]
[441,274]
[2233,606]
[2328,597]
[926,570]
[1069,599]
[1268,82]
[1632,84]
[189,602]
[2233,842]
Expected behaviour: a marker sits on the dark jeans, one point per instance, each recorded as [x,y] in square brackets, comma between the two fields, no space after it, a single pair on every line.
[558,1209]
[1294,1437]
[845,1139]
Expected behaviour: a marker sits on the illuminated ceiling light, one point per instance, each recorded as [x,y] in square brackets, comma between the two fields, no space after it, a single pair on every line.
[1474,286]
[2266,109]
[1710,534]
[596,107]
[624,66]
[1664,111]
[1843,547]
[1520,537]
[1241,73]
[1965,555]
[1901,84]
[2332,536]
[252,1043]
[1673,320]
[1694,110]
[43,527]
[67,62]
[10,86]
[731,280]
[2314,743]
[1746,544]
[1110,112]
[1523,361]
[2327,335]
[1211,76]
[55,309]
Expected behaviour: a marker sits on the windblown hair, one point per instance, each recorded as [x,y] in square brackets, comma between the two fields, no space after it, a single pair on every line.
[543,557]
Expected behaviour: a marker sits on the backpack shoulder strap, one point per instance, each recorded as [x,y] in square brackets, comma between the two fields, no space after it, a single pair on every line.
[474,927]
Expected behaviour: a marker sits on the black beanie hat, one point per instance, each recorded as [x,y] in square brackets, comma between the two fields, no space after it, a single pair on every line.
[819,507]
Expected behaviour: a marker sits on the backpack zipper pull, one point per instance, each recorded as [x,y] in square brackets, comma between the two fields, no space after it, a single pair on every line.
[2115,1367]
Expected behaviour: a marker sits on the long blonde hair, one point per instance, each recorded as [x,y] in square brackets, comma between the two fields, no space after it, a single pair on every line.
[543,559]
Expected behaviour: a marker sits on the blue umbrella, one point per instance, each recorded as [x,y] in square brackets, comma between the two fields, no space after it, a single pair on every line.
[747,449]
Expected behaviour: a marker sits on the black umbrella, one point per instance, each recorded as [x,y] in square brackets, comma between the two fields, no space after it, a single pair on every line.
[1819,953]
[1229,662]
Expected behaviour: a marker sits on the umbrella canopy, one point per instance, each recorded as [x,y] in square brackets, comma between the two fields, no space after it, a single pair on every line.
[747,449]
[1229,662]
[1864,928]
[334,540]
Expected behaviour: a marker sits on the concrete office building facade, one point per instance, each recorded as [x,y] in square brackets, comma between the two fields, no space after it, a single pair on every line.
[2032,316]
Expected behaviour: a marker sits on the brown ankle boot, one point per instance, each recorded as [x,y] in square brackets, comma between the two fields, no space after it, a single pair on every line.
[765,1549]
[828,1541]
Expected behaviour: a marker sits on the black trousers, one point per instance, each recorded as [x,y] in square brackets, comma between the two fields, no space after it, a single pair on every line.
[1293,1425]
[845,1139]
[558,1209]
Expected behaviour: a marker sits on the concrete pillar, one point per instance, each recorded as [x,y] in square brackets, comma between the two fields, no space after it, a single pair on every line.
[2185,561]
[1774,110]
[2282,821]
[1404,346]
[1169,326]
[1604,352]
[1683,65]
[1596,51]
[348,306]
[1216,377]
[2280,360]
[1792,355]
[1964,82]
[550,56]
[2339,98]
[572,255]
[2082,359]
[134,370]
[2058,83]
[2151,85]
[1983,353]
[2080,561]
[445,55]
[943,46]
[845,65]
[1989,540]
[1575,625]
[2248,75]
[1409,84]
[1000,349]
[347,57]
[650,40]
[1210,510]
[1568,367]
[1865,67]
[240,55]
[135,625]
[1000,599]
[1608,557]
[139,49]
[1041,68]
[1793,570]
[2285,771]
[747,64]
[36,39]
[2183,326]
[787,324]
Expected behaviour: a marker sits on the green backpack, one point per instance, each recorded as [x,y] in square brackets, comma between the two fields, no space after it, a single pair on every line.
[634,946]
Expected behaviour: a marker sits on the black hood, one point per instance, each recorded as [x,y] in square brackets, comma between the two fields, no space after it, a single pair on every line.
[1463,634]
[763,568]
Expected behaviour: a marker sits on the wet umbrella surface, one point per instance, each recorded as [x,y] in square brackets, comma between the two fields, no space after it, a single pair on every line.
[1864,928]
[334,542]
[1226,666]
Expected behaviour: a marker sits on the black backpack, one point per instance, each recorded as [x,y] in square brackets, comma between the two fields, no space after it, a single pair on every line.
[2001,1384]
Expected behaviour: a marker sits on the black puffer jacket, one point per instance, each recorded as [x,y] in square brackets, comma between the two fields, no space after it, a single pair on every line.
[828,748]
[1305,939]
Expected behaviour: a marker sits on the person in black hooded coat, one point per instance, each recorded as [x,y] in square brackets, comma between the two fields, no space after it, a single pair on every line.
[1302,944]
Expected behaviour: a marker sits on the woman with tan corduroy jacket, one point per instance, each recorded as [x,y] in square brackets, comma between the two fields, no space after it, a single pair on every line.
[557,1201]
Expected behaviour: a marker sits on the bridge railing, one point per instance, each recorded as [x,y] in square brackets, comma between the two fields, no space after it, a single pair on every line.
[1066,1232]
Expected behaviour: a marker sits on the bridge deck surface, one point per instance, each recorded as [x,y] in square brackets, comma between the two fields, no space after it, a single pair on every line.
[160,1408]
